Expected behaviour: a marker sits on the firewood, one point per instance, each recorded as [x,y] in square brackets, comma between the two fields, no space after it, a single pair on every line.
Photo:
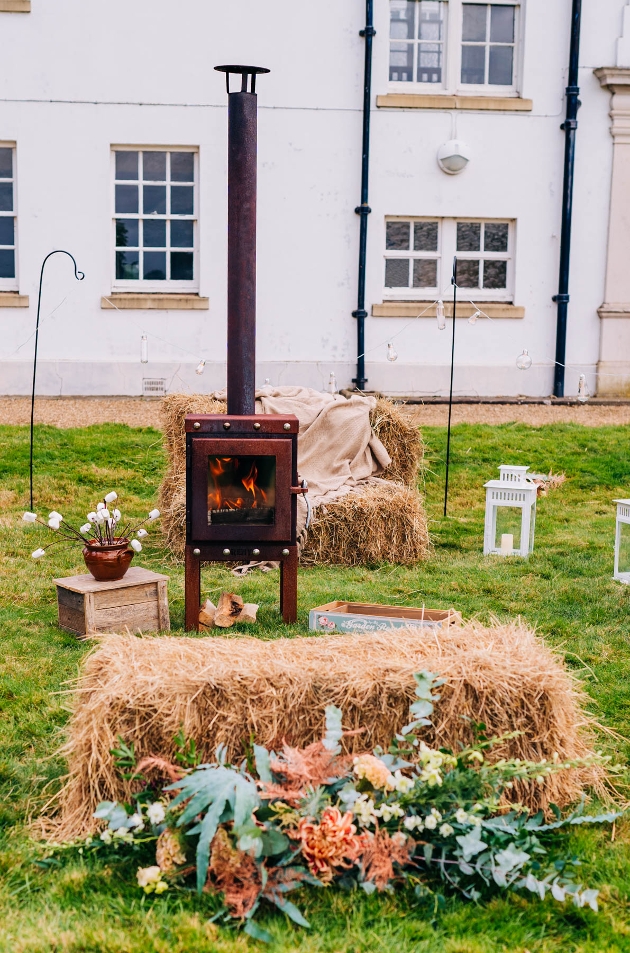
[228,610]
[248,612]
[207,614]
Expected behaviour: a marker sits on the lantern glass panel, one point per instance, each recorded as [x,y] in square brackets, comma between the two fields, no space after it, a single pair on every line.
[508,521]
[624,549]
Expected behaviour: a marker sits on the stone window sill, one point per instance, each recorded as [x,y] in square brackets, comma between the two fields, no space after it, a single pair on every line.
[11,299]
[443,101]
[145,301]
[15,6]
[411,309]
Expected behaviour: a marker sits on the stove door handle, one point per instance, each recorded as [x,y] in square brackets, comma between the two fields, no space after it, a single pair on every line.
[303,488]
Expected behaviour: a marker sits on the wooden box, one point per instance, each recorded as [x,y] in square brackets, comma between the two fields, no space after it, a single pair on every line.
[137,602]
[363,617]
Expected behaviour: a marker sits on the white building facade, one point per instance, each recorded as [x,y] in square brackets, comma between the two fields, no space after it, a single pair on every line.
[113,146]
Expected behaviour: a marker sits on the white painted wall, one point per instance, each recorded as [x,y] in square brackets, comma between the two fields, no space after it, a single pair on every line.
[73,75]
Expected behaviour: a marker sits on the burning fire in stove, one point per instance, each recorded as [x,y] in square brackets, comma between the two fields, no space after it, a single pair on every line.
[241,489]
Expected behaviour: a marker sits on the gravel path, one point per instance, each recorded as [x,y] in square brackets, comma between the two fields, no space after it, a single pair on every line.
[143,412]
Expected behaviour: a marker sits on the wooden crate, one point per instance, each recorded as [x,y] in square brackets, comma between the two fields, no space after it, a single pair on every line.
[363,617]
[137,602]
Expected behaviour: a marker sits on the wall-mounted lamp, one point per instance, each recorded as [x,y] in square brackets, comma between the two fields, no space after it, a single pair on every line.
[453,156]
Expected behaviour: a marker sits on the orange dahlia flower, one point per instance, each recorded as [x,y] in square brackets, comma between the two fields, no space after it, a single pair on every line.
[331,843]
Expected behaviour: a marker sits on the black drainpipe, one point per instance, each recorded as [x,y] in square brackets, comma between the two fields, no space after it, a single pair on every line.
[363,209]
[569,126]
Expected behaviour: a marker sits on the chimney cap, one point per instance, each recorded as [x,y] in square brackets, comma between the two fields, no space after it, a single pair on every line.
[245,72]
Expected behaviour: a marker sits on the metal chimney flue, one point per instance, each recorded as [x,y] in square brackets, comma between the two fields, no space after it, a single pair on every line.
[241,296]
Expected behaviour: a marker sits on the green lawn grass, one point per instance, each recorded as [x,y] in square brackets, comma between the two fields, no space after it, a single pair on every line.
[565,589]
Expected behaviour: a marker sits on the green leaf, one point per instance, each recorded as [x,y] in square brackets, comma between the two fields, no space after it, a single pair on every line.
[263,764]
[291,911]
[511,857]
[252,929]
[274,842]
[471,843]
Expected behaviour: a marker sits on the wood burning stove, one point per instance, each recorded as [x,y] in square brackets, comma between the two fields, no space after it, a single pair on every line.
[241,468]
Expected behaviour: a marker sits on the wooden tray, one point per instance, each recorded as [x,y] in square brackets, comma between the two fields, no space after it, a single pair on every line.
[343,616]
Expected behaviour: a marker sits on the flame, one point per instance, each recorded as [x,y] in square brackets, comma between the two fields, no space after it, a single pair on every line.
[225,497]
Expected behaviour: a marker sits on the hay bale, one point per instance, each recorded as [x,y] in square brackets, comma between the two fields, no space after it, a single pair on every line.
[228,691]
[401,439]
[340,533]
[383,522]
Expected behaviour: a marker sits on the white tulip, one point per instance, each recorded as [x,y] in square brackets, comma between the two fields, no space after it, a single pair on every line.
[105,513]
[136,546]
[100,506]
[111,497]
[153,515]
[117,515]
[29,517]
[38,553]
[55,516]
[54,524]
[92,517]
[86,528]
[141,533]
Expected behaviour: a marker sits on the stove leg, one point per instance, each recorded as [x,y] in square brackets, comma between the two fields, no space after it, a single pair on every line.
[192,590]
[288,586]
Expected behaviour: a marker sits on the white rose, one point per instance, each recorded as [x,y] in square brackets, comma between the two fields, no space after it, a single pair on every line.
[461,816]
[430,823]
[156,813]
[446,830]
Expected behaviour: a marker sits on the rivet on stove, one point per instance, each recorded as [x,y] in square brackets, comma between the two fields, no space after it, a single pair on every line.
[255,552]
[196,552]
[226,424]
[257,426]
[196,425]
[226,552]
[287,426]
[285,552]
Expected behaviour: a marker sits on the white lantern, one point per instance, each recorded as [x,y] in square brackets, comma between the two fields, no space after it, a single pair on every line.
[622,541]
[510,513]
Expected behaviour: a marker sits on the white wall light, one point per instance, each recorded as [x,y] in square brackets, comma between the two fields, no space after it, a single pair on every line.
[453,156]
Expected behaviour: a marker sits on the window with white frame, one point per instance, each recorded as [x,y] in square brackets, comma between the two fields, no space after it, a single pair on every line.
[8,273]
[419,256]
[155,220]
[454,45]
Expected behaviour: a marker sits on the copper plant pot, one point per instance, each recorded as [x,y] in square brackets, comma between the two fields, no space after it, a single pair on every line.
[108,562]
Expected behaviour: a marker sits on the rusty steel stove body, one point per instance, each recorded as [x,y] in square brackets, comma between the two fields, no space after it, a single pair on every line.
[241,468]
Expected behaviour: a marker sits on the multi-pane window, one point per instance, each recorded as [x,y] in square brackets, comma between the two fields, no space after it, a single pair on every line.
[7,219]
[454,45]
[488,36]
[155,219]
[416,41]
[419,257]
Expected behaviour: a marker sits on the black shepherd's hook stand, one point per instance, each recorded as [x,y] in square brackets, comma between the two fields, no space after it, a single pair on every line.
[79,275]
[450,396]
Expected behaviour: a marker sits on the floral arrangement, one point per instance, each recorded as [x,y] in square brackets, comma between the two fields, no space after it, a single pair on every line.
[254,832]
[104,527]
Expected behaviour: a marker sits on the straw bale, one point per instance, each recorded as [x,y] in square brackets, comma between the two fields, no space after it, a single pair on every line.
[382,522]
[340,532]
[221,690]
